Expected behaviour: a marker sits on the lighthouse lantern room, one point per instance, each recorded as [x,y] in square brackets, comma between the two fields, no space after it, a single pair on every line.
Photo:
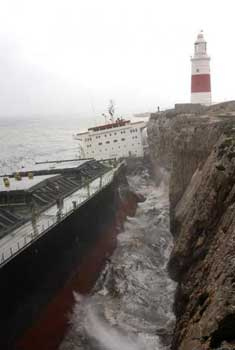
[201,81]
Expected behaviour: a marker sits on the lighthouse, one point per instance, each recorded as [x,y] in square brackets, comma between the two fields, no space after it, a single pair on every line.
[201,80]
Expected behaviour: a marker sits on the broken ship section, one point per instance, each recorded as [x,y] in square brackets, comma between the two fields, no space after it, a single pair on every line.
[49,217]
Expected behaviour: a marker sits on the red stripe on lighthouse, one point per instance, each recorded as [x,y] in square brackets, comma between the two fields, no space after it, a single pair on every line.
[201,83]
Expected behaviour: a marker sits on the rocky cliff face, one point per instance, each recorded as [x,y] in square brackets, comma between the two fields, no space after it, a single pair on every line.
[198,146]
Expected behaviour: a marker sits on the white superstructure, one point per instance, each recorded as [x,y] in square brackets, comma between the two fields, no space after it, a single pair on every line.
[119,139]
[200,79]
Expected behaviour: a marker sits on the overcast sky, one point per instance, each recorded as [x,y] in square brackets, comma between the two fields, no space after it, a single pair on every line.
[72,56]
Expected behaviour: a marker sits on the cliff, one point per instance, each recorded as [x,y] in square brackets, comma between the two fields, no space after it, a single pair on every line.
[197,145]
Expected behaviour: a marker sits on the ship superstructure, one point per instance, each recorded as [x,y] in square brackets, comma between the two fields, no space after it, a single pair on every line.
[118,139]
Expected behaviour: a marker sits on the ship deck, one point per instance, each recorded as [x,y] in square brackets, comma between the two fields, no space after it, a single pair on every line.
[18,239]
[24,184]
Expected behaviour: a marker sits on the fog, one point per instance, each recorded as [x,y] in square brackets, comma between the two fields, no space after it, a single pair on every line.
[71,56]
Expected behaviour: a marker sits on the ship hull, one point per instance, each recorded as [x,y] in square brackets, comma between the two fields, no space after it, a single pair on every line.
[31,280]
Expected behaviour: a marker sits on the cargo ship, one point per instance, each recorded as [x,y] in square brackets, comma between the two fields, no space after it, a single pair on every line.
[49,217]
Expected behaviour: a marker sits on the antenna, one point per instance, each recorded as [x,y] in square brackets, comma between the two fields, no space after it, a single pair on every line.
[111,110]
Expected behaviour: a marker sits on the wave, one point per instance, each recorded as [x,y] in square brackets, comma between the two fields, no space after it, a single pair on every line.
[131,304]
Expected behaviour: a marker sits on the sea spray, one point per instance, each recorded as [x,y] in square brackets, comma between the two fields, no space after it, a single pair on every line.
[131,304]
[105,336]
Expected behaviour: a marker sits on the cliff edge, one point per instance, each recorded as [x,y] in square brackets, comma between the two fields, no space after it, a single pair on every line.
[197,145]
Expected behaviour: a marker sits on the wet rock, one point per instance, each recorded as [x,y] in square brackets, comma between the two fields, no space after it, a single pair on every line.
[199,151]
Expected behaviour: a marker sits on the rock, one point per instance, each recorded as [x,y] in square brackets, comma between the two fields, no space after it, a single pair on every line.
[199,149]
[181,142]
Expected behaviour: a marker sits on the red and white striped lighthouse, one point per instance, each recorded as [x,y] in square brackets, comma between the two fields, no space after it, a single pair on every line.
[201,79]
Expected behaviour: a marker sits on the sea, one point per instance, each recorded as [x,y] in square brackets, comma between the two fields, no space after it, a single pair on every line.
[24,141]
[131,305]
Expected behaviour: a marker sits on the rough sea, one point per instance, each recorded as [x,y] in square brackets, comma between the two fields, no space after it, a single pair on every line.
[130,307]
[26,140]
[131,304]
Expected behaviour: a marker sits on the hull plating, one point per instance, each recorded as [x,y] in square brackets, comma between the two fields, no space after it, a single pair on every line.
[30,281]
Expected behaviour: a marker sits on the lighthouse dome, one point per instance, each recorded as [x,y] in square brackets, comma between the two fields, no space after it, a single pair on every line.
[200,37]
